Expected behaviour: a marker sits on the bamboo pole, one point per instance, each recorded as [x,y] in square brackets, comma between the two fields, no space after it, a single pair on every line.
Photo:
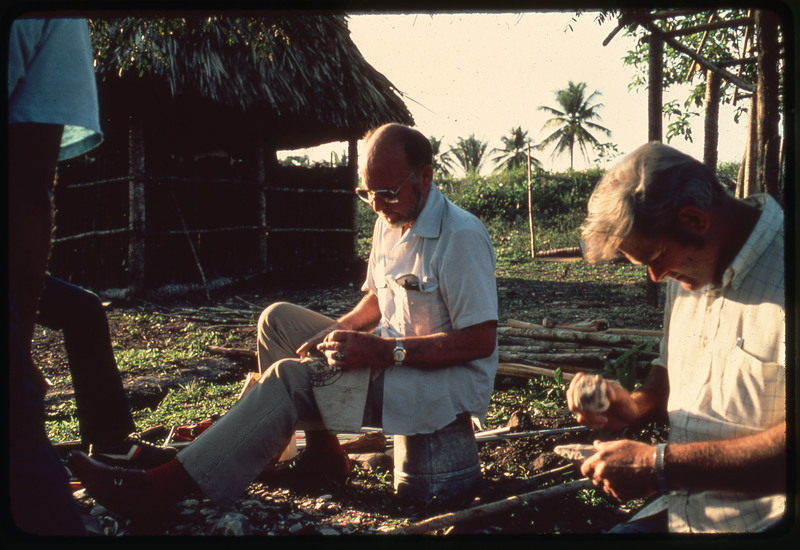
[485,510]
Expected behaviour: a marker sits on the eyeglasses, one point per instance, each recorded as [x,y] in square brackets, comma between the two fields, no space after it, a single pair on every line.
[388,196]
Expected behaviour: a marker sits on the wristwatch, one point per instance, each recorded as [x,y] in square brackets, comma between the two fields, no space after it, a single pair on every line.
[399,353]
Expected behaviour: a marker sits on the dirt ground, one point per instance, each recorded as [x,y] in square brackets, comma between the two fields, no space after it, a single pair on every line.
[365,505]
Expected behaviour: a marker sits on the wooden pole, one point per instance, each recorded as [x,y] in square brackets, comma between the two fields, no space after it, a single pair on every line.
[530,205]
[491,508]
[352,172]
[261,175]
[136,205]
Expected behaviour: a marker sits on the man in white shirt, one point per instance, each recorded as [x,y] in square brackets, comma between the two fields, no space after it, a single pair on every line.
[418,351]
[721,373]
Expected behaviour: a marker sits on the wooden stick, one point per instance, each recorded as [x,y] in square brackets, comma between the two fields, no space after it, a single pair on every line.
[566,335]
[485,510]
[232,352]
[632,331]
[529,371]
[574,358]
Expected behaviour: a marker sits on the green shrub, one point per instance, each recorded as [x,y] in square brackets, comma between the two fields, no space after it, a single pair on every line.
[558,200]
[500,200]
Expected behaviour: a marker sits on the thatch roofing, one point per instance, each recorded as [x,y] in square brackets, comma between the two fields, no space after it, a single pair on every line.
[300,73]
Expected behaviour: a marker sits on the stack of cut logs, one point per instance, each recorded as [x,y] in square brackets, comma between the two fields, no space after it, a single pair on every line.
[528,350]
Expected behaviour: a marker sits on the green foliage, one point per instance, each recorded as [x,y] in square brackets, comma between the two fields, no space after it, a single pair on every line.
[680,69]
[441,161]
[469,153]
[623,368]
[728,174]
[541,396]
[573,121]
[558,200]
[514,154]
[187,404]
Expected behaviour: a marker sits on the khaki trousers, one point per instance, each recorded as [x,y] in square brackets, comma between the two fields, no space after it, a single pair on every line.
[226,458]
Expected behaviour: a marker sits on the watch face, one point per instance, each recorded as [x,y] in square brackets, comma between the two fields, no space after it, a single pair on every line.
[399,355]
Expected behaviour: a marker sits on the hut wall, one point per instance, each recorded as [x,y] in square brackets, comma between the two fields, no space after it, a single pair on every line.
[310,213]
[202,219]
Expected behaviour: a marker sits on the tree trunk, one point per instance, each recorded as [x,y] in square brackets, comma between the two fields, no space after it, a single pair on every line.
[711,125]
[654,124]
[768,143]
[748,183]
[655,89]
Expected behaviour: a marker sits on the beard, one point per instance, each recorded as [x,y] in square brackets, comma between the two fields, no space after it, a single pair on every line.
[411,215]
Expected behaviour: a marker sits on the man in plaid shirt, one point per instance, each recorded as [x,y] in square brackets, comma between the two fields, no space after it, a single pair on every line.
[721,374]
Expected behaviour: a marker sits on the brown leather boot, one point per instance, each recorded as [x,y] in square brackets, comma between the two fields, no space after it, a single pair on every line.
[323,461]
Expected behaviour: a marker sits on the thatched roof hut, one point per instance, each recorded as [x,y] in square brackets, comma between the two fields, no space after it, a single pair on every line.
[299,74]
[186,187]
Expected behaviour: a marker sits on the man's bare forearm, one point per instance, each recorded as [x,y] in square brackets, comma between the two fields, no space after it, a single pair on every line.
[754,464]
[450,348]
[364,317]
[651,397]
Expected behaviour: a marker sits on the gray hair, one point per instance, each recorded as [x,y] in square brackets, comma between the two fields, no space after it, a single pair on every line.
[645,191]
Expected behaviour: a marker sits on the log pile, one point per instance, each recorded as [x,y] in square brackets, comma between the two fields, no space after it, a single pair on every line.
[527,350]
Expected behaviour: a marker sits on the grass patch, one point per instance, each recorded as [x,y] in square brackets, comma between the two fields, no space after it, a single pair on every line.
[188,404]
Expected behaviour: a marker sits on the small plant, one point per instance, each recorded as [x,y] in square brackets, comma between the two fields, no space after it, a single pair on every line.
[624,366]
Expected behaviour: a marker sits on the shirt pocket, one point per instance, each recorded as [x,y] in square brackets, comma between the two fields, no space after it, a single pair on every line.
[424,312]
[751,392]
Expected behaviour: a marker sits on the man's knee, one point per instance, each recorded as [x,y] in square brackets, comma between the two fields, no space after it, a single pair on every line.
[292,373]
[272,315]
[295,377]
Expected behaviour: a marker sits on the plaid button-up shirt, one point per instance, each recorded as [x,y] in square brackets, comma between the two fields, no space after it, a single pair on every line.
[724,349]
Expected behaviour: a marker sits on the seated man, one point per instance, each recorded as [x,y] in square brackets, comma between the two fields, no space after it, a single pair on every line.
[104,416]
[417,351]
[721,373]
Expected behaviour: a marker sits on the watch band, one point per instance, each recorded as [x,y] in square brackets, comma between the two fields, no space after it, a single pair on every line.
[399,353]
[661,478]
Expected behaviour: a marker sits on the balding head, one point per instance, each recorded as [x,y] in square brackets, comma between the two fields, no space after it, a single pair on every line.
[396,155]
[393,139]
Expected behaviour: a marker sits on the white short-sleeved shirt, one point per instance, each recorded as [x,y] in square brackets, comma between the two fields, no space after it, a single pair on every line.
[438,276]
[725,352]
[51,80]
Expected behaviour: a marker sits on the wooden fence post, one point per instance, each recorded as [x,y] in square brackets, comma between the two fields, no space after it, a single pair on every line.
[352,173]
[261,174]
[136,205]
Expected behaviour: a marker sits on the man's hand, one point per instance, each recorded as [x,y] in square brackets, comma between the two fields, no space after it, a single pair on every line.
[624,469]
[310,345]
[349,349]
[621,413]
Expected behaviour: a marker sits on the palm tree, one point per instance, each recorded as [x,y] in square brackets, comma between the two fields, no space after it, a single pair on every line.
[442,163]
[514,153]
[573,121]
[469,153]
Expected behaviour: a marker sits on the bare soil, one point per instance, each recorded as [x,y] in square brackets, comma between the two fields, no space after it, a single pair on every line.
[366,503]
